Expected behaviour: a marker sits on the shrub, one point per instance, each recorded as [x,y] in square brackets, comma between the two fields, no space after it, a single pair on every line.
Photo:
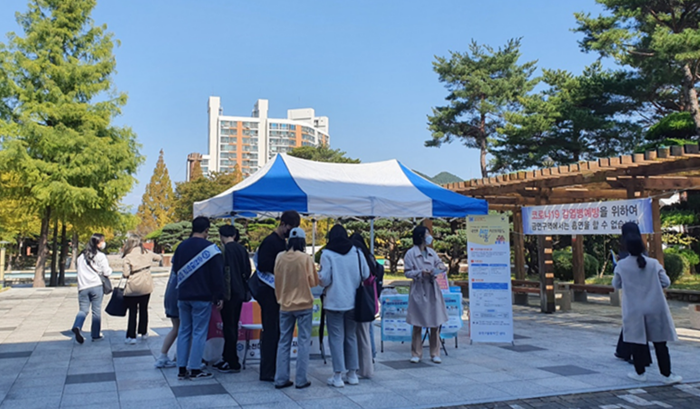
[563,267]
[673,263]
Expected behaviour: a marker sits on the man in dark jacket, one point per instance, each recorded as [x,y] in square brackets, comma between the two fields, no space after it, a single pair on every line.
[236,274]
[270,247]
[200,282]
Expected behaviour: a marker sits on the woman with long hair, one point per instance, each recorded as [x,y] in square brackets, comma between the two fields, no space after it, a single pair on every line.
[624,349]
[343,268]
[364,333]
[139,286]
[645,313]
[426,306]
[91,264]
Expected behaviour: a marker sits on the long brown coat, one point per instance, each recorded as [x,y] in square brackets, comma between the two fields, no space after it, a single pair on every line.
[426,306]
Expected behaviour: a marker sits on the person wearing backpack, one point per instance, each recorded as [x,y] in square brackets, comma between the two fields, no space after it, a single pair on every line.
[91,265]
[237,271]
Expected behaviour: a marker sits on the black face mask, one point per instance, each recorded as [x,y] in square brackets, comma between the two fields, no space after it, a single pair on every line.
[286,234]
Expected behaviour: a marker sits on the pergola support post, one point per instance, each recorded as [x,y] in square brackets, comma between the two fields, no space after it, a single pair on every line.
[519,244]
[656,249]
[547,296]
[577,264]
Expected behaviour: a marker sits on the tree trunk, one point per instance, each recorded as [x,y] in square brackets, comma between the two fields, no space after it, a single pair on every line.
[53,281]
[692,96]
[64,254]
[74,254]
[39,268]
[483,147]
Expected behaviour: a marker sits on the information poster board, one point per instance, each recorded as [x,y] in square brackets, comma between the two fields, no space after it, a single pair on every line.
[394,309]
[490,300]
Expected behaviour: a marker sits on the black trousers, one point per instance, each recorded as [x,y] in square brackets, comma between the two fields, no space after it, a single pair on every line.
[270,311]
[230,316]
[140,303]
[662,357]
[624,351]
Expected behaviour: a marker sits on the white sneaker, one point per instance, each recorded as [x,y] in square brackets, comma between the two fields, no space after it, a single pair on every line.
[335,382]
[164,363]
[131,341]
[144,337]
[436,360]
[415,360]
[671,379]
[637,377]
[351,378]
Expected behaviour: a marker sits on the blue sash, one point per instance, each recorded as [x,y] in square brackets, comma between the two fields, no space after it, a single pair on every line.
[198,261]
[266,278]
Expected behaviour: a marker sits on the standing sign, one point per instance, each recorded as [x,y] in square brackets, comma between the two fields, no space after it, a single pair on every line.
[490,300]
[588,218]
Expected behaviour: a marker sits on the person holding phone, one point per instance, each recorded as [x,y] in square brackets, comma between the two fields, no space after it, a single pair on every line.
[426,306]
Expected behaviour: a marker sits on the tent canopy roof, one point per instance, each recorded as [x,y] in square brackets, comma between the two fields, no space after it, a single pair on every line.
[379,189]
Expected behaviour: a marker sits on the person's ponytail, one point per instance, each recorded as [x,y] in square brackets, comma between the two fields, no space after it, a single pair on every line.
[635,245]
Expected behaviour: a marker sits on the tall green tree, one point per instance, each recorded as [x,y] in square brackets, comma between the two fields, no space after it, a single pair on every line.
[482,84]
[58,105]
[659,40]
[322,153]
[576,118]
[202,188]
[156,209]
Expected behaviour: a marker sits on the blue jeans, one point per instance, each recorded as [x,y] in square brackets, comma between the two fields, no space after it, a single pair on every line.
[194,326]
[287,320]
[90,297]
[342,335]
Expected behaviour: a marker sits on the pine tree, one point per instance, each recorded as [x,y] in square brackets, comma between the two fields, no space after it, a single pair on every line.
[55,118]
[482,83]
[660,41]
[156,209]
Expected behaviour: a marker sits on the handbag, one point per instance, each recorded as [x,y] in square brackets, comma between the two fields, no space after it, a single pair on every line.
[364,298]
[116,306]
[106,283]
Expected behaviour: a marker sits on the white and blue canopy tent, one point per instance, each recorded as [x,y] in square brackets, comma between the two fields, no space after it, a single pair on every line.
[369,190]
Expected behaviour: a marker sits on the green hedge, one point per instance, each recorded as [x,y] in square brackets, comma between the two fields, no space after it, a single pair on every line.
[563,268]
[673,263]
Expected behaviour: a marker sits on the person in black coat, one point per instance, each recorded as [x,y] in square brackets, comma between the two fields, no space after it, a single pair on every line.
[237,271]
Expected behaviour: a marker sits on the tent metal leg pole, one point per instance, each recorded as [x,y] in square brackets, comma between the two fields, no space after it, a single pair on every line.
[371,236]
[313,238]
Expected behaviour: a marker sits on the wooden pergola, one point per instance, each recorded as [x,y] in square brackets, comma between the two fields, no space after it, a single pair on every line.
[656,174]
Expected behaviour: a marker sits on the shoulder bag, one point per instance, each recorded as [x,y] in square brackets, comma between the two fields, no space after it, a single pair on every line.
[106,283]
[365,309]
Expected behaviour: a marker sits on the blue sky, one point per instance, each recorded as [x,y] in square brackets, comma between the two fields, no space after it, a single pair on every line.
[367,65]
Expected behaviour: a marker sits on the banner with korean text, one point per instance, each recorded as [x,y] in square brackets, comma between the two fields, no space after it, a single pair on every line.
[490,300]
[588,218]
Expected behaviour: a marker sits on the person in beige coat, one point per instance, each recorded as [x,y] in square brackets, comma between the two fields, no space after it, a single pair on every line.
[139,286]
[426,306]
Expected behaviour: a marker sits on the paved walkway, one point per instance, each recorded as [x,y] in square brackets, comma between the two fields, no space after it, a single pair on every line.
[679,397]
[554,355]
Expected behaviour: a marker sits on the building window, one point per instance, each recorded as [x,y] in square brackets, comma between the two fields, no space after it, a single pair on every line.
[274,126]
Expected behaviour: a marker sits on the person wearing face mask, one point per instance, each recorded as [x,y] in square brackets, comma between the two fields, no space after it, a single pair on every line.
[91,264]
[270,247]
[426,306]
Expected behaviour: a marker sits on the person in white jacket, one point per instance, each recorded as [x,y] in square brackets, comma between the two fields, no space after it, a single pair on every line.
[91,264]
[343,267]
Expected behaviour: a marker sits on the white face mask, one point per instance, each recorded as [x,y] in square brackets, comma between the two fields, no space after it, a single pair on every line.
[428,239]
[102,245]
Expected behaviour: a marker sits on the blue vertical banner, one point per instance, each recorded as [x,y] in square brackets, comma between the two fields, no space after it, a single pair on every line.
[490,299]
